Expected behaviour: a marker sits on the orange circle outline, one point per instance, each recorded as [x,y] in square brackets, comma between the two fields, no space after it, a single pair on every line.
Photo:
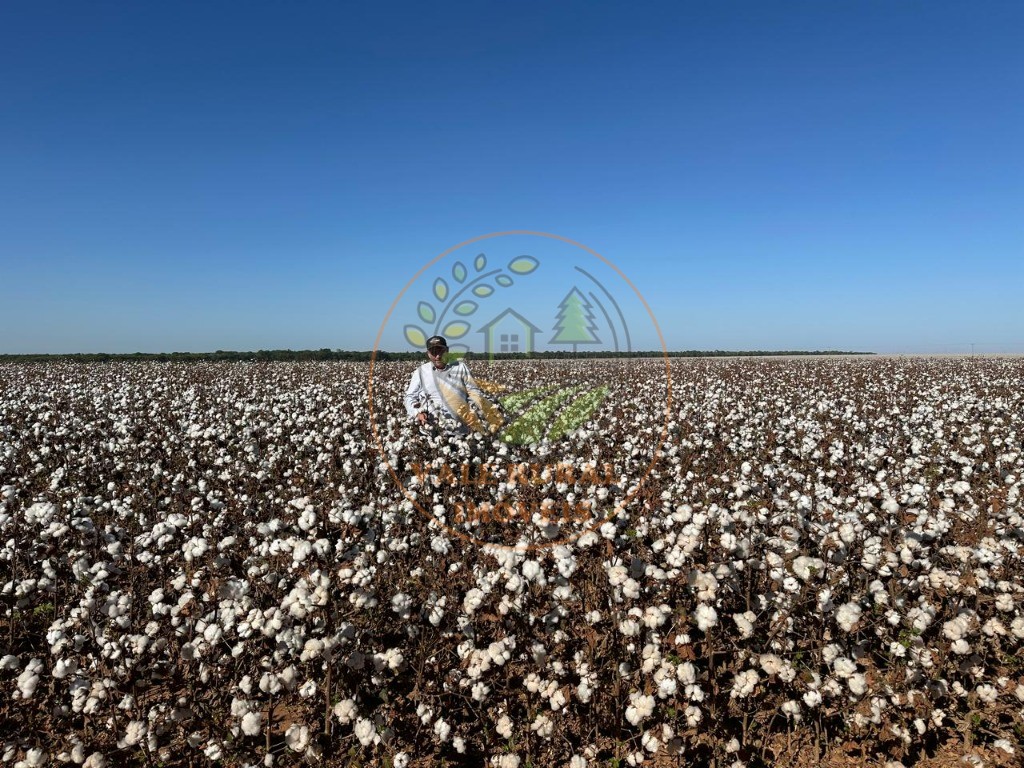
[373,359]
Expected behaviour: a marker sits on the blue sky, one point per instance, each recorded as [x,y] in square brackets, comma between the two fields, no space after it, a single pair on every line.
[211,175]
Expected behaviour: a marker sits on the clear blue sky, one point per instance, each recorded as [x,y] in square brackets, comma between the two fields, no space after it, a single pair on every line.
[771,175]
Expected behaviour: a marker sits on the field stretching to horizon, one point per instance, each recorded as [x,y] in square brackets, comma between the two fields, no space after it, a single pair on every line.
[724,562]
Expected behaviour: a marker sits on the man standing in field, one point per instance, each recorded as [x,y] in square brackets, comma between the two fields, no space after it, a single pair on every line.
[441,392]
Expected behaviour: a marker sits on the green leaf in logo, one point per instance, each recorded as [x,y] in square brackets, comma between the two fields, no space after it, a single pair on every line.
[465,308]
[426,312]
[440,289]
[480,263]
[459,272]
[415,336]
[503,280]
[523,265]
[576,414]
[456,329]
[483,291]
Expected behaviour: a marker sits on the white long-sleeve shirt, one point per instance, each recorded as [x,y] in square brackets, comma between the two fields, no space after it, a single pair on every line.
[444,392]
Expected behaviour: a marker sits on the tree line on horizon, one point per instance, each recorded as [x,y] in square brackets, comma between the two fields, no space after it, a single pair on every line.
[291,355]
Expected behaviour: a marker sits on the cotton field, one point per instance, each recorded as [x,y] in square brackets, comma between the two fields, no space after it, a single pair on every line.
[790,562]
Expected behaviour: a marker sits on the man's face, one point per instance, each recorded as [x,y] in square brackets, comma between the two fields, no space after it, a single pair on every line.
[437,355]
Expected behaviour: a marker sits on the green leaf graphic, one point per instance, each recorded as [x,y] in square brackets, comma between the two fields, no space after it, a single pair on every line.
[523,265]
[503,280]
[531,426]
[456,329]
[459,271]
[577,413]
[518,400]
[440,289]
[426,312]
[415,336]
[483,291]
[465,308]
[480,262]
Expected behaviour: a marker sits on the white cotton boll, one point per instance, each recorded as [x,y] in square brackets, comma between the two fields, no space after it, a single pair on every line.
[791,709]
[442,729]
[745,623]
[577,761]
[956,628]
[35,757]
[345,710]
[504,727]
[134,733]
[1004,746]
[543,726]
[401,604]
[531,570]
[558,700]
[95,760]
[214,752]
[473,600]
[650,742]
[64,667]
[640,707]
[667,688]
[844,667]
[847,616]
[617,575]
[9,663]
[297,737]
[987,693]
[707,617]
[365,732]
[584,691]
[629,628]
[301,551]
[744,683]
[400,760]
[29,679]
[213,634]
[252,723]
[961,647]
[993,627]
[812,699]
[858,684]
[771,664]
[806,568]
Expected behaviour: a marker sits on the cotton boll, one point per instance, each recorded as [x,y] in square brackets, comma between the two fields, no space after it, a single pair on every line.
[847,616]
[365,732]
[297,737]
[707,617]
[252,723]
[640,708]
[504,726]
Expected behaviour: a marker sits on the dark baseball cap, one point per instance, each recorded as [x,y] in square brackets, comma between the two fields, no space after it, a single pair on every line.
[437,341]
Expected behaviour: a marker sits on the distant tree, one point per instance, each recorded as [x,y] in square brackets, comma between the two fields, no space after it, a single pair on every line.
[574,323]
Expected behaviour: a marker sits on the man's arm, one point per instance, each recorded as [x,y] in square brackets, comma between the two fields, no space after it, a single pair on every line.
[415,396]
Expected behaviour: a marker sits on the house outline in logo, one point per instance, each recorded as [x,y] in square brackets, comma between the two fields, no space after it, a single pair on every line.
[493,341]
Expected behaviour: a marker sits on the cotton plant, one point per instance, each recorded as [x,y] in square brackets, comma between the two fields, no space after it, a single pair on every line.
[238,528]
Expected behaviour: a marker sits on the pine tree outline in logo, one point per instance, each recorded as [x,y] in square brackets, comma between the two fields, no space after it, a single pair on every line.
[574,322]
[452,298]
